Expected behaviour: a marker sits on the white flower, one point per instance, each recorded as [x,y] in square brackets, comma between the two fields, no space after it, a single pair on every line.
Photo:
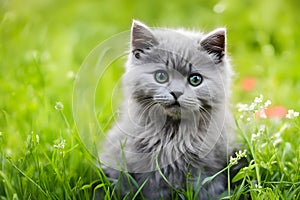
[277,136]
[262,114]
[71,74]
[258,106]
[240,154]
[37,137]
[255,136]
[267,103]
[252,107]
[257,186]
[258,99]
[292,114]
[60,145]
[233,161]
[242,107]
[219,7]
[261,130]
[277,141]
[59,106]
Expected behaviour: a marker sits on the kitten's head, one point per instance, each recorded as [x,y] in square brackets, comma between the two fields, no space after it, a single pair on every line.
[177,71]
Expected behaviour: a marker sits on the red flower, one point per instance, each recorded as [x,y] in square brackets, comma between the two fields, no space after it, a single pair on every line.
[248,84]
[272,112]
[276,111]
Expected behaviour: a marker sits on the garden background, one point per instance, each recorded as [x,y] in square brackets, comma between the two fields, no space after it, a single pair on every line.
[43,44]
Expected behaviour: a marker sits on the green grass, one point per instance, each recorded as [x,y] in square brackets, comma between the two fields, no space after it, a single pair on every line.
[44,43]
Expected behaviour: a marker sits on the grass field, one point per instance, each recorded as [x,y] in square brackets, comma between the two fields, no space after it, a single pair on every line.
[44,43]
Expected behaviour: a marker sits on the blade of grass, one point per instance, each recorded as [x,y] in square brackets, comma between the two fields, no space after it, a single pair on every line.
[252,152]
[28,178]
[140,189]
[163,176]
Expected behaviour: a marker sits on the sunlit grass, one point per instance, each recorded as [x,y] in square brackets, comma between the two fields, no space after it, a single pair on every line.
[43,44]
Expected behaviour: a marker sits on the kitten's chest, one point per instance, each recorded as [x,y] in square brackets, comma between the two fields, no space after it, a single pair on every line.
[167,146]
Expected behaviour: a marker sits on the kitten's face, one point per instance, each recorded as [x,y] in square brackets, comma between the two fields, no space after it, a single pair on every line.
[178,73]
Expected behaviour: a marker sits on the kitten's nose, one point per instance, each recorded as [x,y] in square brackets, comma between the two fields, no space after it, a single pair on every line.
[176,94]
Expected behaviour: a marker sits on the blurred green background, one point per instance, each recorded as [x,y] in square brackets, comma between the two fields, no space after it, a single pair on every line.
[44,42]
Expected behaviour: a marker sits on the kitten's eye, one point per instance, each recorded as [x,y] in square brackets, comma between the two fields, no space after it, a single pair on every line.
[161,76]
[137,53]
[195,79]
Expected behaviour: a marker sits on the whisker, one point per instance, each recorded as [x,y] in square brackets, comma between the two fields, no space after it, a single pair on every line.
[147,107]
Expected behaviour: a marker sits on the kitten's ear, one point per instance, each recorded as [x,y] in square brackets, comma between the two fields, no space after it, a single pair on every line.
[141,36]
[215,43]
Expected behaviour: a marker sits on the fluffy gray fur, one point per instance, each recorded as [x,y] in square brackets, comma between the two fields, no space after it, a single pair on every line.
[184,130]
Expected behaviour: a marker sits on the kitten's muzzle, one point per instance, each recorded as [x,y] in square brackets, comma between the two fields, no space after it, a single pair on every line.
[176,95]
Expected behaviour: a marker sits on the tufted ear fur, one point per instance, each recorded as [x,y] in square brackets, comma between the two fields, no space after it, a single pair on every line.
[141,36]
[215,43]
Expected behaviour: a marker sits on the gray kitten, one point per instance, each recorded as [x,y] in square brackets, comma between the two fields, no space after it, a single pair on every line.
[175,123]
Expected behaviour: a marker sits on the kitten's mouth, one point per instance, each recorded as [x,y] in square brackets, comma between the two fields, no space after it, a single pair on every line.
[175,105]
[173,110]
